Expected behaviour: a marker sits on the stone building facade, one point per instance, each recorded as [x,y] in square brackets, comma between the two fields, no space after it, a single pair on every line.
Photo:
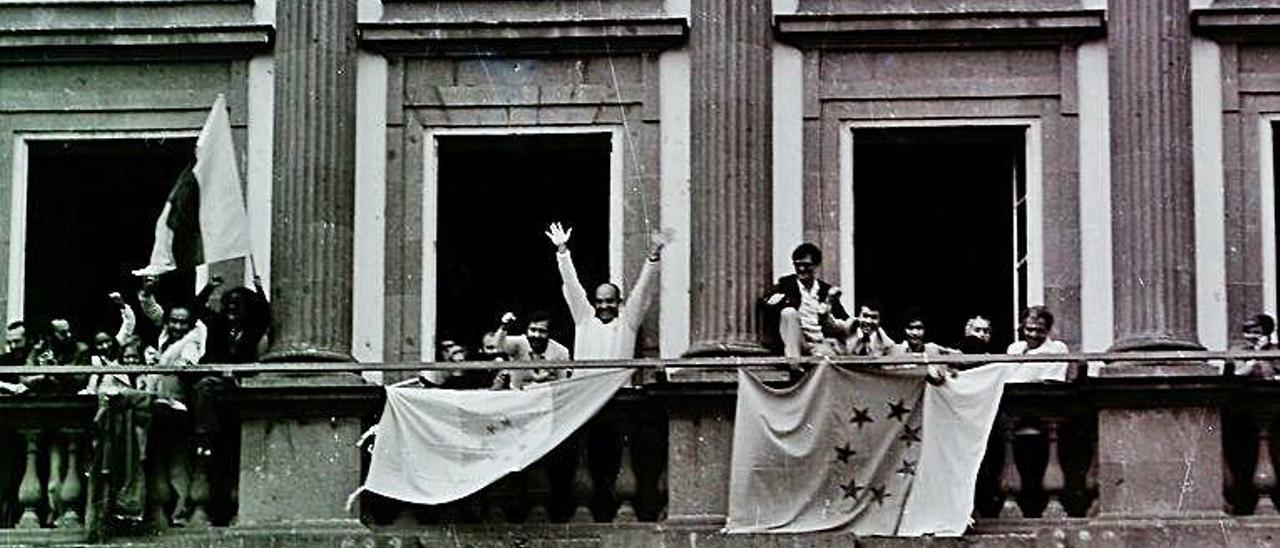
[1139,139]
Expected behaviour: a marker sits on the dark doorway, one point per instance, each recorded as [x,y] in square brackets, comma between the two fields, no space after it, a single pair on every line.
[497,194]
[91,212]
[935,226]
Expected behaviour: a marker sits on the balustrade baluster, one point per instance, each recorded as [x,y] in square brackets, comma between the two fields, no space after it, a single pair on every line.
[53,486]
[1054,480]
[159,491]
[29,490]
[626,483]
[199,492]
[72,487]
[1264,473]
[1010,479]
[648,450]
[582,486]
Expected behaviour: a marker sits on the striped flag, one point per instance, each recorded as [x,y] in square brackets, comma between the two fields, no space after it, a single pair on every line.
[204,219]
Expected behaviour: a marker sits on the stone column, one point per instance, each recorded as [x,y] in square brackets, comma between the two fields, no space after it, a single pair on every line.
[1152,192]
[1159,455]
[313,188]
[732,115]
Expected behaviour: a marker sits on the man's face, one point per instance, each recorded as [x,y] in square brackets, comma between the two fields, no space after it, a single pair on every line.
[806,269]
[61,331]
[538,333]
[179,322]
[131,355]
[868,319]
[606,302]
[456,353]
[489,344]
[1254,335]
[979,328]
[1034,332]
[915,333]
[234,308]
[103,345]
[16,339]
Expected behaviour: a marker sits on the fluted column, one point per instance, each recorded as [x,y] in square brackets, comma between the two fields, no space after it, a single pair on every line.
[732,163]
[313,180]
[1152,192]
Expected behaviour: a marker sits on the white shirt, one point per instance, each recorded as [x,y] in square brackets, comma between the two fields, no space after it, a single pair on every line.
[808,312]
[597,340]
[1049,346]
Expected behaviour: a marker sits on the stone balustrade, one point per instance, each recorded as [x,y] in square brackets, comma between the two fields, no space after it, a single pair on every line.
[656,457]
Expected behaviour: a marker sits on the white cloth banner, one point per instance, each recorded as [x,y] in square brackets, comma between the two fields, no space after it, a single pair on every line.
[869,451]
[958,417]
[435,446]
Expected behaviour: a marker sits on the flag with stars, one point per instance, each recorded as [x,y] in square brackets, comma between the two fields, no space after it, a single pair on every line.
[869,451]
[435,446]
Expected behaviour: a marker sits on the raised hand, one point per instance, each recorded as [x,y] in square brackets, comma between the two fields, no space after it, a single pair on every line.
[659,239]
[116,298]
[559,236]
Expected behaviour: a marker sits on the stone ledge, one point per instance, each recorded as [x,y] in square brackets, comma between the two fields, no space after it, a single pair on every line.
[218,41]
[524,37]
[961,28]
[1261,24]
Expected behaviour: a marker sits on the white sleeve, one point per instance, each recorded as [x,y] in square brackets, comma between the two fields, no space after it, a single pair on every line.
[641,294]
[574,295]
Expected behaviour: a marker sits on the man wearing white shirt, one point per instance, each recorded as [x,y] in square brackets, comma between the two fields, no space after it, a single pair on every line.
[601,331]
[1036,325]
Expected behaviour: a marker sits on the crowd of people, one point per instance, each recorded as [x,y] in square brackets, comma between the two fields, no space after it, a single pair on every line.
[231,329]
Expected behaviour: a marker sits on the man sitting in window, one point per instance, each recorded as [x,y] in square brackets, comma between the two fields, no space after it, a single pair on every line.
[794,307]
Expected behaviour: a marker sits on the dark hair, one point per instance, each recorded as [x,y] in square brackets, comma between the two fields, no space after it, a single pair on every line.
[914,314]
[807,250]
[16,324]
[539,316]
[183,306]
[1266,322]
[1038,312]
[869,303]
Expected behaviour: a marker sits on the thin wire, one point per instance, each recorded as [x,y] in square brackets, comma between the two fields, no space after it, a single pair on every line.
[629,147]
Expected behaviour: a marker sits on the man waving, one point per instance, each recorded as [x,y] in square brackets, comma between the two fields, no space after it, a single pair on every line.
[600,331]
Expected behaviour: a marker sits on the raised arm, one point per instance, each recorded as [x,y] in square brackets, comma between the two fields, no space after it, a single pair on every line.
[642,292]
[128,321]
[147,300]
[574,294]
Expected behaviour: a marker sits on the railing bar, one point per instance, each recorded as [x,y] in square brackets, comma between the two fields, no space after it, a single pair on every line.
[649,363]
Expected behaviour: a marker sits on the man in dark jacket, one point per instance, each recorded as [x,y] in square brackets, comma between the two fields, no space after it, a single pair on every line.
[794,308]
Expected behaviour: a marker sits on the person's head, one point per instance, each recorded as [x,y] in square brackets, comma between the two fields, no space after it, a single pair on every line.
[489,344]
[15,337]
[451,351]
[538,331]
[131,351]
[978,328]
[869,315]
[606,300]
[105,345]
[913,329]
[1258,330]
[237,304]
[60,331]
[805,259]
[1035,324]
[178,321]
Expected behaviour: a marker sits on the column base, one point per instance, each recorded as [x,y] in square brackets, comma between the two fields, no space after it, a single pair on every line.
[726,349]
[304,355]
[1134,344]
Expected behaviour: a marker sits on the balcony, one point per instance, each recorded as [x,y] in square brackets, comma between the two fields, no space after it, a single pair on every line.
[1079,463]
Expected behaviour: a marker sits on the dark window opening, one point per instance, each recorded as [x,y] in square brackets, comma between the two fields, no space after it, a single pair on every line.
[496,196]
[91,212]
[939,225]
